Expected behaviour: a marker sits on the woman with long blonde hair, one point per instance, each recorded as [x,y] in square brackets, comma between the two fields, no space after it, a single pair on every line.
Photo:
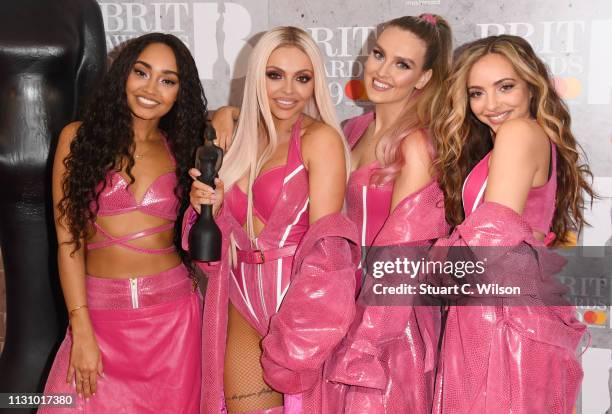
[393,197]
[282,296]
[514,182]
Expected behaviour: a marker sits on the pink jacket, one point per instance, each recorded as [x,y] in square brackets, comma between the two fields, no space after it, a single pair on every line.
[386,363]
[313,317]
[508,358]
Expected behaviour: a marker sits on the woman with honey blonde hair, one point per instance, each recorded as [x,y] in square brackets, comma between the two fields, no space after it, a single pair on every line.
[514,183]
[282,296]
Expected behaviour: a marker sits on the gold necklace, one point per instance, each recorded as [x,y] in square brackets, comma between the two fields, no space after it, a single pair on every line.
[139,156]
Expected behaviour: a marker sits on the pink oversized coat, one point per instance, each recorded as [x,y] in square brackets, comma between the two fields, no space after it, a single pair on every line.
[508,358]
[386,364]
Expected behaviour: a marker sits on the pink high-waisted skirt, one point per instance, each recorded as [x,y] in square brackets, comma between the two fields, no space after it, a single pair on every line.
[149,333]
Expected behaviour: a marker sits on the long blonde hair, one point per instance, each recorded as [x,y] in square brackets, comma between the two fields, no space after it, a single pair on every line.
[462,140]
[255,115]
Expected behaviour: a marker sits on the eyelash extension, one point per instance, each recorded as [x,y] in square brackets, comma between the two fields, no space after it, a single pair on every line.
[376,52]
[274,75]
[304,78]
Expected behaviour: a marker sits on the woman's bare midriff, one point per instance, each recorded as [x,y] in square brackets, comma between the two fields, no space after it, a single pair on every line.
[118,262]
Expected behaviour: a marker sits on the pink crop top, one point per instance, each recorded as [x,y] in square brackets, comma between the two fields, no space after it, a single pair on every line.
[541,201]
[267,187]
[116,198]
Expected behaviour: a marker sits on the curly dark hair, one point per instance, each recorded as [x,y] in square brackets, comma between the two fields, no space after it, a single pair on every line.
[105,139]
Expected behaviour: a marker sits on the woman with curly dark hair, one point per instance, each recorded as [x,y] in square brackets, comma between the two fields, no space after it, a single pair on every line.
[119,183]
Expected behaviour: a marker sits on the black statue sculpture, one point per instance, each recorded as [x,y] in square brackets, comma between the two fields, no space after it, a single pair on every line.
[205,235]
[52,52]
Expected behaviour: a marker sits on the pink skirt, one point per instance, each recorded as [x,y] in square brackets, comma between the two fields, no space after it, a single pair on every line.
[149,333]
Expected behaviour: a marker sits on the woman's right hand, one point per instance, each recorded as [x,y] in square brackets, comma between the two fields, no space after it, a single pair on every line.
[204,194]
[85,357]
[224,122]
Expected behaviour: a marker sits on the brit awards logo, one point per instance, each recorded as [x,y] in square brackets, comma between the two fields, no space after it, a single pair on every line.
[221,31]
[123,20]
[346,49]
[576,51]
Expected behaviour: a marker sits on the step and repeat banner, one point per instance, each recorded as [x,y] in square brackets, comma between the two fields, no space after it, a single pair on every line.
[572,37]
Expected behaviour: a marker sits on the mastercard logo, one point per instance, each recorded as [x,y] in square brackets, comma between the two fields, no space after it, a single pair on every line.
[355,90]
[567,87]
[595,317]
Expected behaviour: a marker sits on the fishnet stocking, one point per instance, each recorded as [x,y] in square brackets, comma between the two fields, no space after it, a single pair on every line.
[244,387]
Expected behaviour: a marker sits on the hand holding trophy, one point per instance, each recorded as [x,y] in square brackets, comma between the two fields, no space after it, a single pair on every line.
[205,235]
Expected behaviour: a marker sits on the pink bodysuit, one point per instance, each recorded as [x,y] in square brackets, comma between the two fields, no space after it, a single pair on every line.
[260,278]
[294,283]
[367,205]
[386,362]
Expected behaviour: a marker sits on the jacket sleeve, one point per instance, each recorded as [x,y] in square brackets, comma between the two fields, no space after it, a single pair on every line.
[313,318]
[417,220]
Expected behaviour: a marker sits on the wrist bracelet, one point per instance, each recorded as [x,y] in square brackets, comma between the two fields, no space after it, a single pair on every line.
[76,309]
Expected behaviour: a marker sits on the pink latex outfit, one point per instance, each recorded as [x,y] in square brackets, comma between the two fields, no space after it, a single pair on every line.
[509,359]
[296,289]
[147,327]
[386,362]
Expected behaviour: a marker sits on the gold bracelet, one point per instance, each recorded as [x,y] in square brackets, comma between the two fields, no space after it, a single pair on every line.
[76,309]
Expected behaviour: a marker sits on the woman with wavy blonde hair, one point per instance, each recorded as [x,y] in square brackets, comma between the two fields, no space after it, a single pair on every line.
[282,296]
[465,140]
[513,180]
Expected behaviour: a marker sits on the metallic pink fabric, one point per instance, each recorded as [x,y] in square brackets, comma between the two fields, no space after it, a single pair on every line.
[257,290]
[366,205]
[540,205]
[147,329]
[316,312]
[159,199]
[116,198]
[286,286]
[507,359]
[268,185]
[386,362]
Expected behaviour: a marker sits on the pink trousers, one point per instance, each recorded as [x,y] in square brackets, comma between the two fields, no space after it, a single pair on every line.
[149,333]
